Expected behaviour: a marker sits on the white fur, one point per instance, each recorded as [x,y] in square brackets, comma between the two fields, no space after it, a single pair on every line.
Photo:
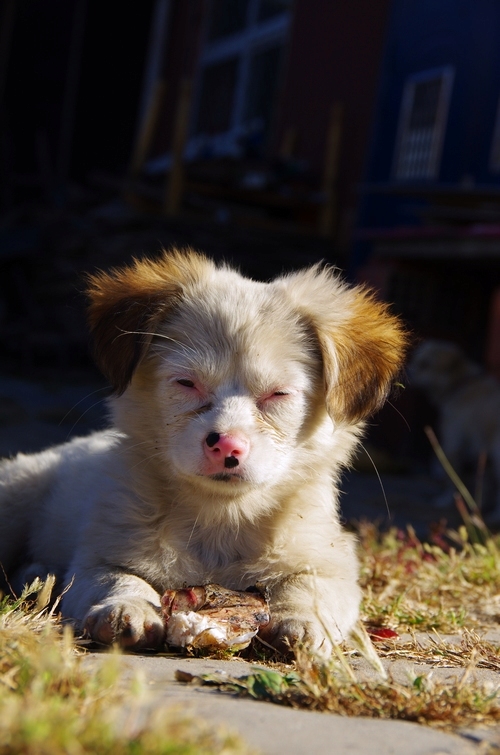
[133,511]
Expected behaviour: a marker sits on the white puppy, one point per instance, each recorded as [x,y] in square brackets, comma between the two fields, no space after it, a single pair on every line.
[468,401]
[237,403]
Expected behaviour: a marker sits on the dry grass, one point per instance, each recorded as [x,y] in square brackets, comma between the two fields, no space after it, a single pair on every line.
[50,705]
[444,586]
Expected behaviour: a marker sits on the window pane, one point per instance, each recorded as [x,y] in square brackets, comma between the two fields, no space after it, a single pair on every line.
[424,111]
[217,96]
[425,103]
[270,8]
[261,91]
[227,17]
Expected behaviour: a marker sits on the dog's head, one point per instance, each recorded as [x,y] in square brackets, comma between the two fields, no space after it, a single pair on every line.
[229,376]
[439,368]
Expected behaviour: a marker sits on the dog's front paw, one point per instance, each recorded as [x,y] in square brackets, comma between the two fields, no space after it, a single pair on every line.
[286,633]
[134,624]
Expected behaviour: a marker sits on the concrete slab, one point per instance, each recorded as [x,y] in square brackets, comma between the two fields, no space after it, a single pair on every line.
[275,730]
[403,669]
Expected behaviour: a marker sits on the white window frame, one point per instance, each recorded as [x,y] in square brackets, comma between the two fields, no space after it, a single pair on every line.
[432,143]
[255,37]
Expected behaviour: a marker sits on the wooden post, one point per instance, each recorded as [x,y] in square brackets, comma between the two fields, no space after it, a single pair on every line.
[288,143]
[175,180]
[68,112]
[6,36]
[147,130]
[328,216]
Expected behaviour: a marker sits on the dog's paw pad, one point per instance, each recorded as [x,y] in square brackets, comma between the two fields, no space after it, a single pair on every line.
[133,627]
[100,628]
[288,634]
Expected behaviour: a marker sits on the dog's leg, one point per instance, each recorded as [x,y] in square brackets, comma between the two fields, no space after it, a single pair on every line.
[111,606]
[311,610]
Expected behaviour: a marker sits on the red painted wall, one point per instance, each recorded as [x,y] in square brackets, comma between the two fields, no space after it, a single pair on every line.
[335,54]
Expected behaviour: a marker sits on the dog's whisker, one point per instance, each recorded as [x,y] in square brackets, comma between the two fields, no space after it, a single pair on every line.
[147,459]
[130,446]
[84,398]
[193,529]
[183,345]
[389,403]
[190,346]
[82,415]
[379,479]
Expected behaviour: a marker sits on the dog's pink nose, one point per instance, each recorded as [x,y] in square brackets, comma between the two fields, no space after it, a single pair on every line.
[225,451]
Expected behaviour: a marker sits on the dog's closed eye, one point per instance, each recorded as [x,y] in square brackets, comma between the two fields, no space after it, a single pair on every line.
[280,393]
[277,398]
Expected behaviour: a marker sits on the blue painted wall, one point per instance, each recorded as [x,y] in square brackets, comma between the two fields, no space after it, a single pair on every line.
[427,34]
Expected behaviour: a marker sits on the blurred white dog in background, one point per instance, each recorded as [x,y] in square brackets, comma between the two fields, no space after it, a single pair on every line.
[468,401]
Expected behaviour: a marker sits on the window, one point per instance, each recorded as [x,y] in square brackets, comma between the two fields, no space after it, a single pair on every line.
[239,73]
[269,8]
[422,124]
[226,17]
[261,85]
[218,83]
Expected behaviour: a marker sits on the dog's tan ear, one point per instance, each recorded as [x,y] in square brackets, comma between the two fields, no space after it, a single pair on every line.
[127,303]
[361,343]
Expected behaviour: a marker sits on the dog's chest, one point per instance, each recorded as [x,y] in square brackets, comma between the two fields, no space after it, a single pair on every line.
[202,554]
[215,547]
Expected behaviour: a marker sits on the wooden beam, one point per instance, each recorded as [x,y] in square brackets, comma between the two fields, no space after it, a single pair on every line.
[328,216]
[175,180]
[288,143]
[147,129]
